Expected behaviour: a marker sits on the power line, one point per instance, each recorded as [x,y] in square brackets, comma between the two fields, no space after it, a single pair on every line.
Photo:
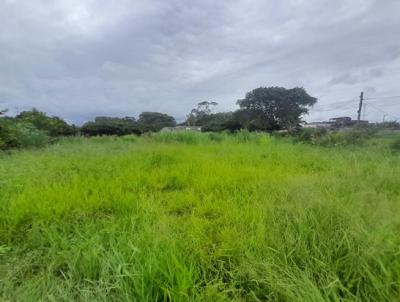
[376,108]
[345,101]
[383,112]
[347,104]
[331,110]
[383,97]
[340,102]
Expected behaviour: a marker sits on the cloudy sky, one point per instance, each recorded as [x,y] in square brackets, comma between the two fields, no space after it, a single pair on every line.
[82,58]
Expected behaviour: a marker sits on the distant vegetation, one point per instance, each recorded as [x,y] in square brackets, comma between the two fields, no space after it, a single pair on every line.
[147,122]
[111,126]
[52,126]
[31,129]
[264,109]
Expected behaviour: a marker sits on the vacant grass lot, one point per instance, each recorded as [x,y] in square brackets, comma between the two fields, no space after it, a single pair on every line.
[198,217]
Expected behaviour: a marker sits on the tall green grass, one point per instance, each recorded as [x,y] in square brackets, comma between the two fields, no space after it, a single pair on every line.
[199,217]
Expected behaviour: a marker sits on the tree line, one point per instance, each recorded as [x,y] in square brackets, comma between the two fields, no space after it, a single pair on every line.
[262,109]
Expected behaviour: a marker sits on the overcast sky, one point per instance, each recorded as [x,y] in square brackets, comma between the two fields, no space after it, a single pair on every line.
[78,59]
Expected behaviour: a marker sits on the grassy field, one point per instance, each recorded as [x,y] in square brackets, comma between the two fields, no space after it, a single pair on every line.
[198,217]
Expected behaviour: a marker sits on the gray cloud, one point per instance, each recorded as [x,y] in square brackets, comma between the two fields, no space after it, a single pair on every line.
[79,59]
[357,77]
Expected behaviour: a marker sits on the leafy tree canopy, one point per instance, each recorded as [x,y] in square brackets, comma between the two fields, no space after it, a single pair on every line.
[201,115]
[111,126]
[273,108]
[221,121]
[155,121]
[53,126]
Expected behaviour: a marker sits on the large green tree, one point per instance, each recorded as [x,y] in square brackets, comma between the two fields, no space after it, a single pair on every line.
[273,108]
[201,115]
[155,121]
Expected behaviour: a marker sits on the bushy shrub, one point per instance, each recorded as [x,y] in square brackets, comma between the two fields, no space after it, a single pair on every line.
[245,136]
[216,137]
[349,137]
[31,137]
[53,126]
[15,134]
[324,137]
[310,136]
[8,133]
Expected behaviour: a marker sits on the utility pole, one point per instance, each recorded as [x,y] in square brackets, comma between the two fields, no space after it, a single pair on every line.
[360,107]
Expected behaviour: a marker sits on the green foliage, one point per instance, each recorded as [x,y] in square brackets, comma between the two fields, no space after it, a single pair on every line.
[273,108]
[53,126]
[323,137]
[14,134]
[200,116]
[216,137]
[212,122]
[8,133]
[31,129]
[155,121]
[310,135]
[223,121]
[161,219]
[188,137]
[245,136]
[111,126]
[29,136]
[192,137]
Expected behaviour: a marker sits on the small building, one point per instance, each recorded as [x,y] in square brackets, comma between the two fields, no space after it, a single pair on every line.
[181,128]
[342,121]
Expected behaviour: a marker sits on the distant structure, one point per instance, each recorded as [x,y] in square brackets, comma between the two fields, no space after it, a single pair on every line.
[336,123]
[342,121]
[181,128]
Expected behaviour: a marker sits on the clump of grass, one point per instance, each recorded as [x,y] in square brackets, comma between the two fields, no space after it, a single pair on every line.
[187,137]
[323,137]
[395,144]
[216,137]
[193,217]
[245,136]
